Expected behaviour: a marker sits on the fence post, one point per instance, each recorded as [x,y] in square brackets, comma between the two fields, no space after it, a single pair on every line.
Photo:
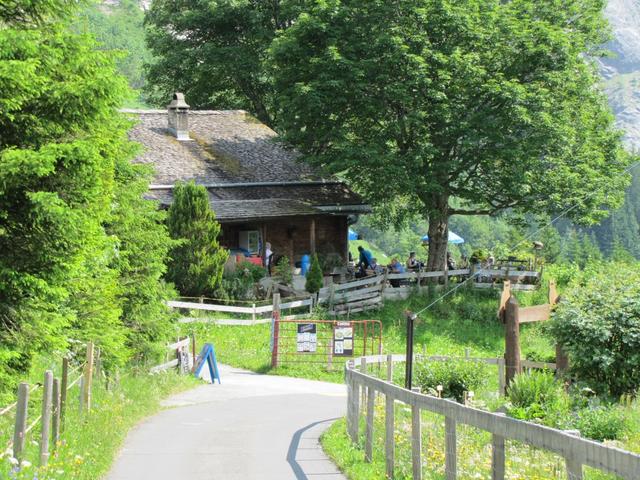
[389,368]
[355,410]
[562,361]
[574,467]
[512,339]
[497,456]
[451,461]
[275,328]
[21,420]
[501,376]
[416,439]
[330,356]
[81,395]
[64,385]
[55,426]
[46,418]
[389,441]
[253,312]
[363,369]
[88,377]
[368,443]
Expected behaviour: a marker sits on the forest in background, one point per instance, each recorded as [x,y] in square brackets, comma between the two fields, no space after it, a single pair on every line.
[120,26]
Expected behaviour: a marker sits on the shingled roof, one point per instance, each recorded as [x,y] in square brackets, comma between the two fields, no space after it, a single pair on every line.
[248,174]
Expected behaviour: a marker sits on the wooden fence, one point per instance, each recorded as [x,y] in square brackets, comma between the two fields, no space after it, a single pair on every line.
[363,294]
[576,451]
[54,405]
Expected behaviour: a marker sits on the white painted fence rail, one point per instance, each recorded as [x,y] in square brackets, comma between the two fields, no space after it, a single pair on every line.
[576,451]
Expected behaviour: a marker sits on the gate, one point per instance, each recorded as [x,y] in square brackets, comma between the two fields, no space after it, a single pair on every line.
[320,341]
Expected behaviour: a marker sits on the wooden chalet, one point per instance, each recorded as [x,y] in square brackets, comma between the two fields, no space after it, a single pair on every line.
[258,189]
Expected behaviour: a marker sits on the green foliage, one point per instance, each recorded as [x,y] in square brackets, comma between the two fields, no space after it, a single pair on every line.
[314,276]
[455,376]
[365,91]
[282,271]
[601,423]
[240,285]
[221,48]
[535,395]
[120,28]
[142,244]
[61,139]
[197,262]
[598,324]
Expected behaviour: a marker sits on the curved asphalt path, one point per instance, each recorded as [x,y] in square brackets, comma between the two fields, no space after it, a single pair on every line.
[250,427]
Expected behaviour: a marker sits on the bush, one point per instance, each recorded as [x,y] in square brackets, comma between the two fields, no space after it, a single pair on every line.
[314,276]
[455,376]
[598,325]
[257,272]
[601,423]
[536,395]
[282,270]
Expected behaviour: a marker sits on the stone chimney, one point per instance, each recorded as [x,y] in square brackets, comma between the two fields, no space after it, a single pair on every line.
[178,113]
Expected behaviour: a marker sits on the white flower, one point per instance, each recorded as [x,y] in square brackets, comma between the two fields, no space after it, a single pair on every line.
[14,461]
[25,463]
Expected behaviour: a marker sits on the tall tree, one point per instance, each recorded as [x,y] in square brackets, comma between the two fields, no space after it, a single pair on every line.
[58,130]
[418,102]
[197,261]
[215,51]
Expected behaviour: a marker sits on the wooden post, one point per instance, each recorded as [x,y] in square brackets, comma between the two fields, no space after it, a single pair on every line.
[350,415]
[55,427]
[253,313]
[46,418]
[502,384]
[562,361]
[275,322]
[363,369]
[64,386]
[451,461]
[330,357]
[512,339]
[574,467]
[553,293]
[81,395]
[21,420]
[88,377]
[312,236]
[504,297]
[497,456]
[355,411]
[416,440]
[368,443]
[389,441]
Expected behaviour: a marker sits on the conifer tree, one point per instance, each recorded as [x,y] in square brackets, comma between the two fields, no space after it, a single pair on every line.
[197,262]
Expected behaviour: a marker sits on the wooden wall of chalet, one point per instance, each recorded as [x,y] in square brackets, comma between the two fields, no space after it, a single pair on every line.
[293,237]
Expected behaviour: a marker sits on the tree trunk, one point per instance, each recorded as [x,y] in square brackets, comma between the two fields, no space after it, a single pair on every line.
[438,233]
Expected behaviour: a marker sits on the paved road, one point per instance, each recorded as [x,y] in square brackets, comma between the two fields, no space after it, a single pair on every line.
[249,427]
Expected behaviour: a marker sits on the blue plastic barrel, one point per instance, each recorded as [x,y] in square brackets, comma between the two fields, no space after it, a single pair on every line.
[305,263]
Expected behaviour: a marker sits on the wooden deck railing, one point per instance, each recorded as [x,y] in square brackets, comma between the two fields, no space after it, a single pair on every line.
[575,450]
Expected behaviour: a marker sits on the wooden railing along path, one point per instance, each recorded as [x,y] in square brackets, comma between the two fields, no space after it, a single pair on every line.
[576,451]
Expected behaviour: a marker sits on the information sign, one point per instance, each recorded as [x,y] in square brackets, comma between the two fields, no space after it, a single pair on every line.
[307,339]
[343,339]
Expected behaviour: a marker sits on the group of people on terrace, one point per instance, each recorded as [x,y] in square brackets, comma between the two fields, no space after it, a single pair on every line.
[368,265]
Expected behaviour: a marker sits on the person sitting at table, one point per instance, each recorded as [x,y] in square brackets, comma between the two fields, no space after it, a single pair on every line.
[364,261]
[451,263]
[395,267]
[413,264]
[375,268]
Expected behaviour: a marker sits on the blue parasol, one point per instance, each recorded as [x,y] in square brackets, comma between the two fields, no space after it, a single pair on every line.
[453,238]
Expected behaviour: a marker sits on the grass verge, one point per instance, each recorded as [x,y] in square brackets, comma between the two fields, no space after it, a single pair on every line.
[90,442]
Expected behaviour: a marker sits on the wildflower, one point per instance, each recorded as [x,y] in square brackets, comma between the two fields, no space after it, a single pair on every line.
[14,461]
[25,464]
